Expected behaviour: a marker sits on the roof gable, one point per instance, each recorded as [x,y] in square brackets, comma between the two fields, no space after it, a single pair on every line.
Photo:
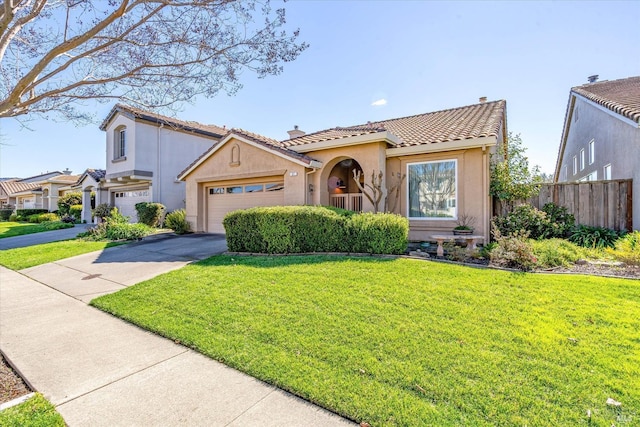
[256,140]
[189,126]
[13,187]
[620,96]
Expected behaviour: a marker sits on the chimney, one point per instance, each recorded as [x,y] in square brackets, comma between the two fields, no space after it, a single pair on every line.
[66,171]
[593,79]
[295,133]
[482,99]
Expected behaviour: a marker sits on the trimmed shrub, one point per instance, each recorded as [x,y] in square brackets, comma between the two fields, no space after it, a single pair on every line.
[594,237]
[177,221]
[5,214]
[513,251]
[45,217]
[523,219]
[627,249]
[76,211]
[26,213]
[68,219]
[295,229]
[378,233]
[150,213]
[66,201]
[14,218]
[102,211]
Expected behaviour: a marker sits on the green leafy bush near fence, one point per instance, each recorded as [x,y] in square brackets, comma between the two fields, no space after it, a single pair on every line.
[297,229]
[177,221]
[594,237]
[627,249]
[150,213]
[550,222]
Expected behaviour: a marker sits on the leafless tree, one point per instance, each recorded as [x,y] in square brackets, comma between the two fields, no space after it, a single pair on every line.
[149,53]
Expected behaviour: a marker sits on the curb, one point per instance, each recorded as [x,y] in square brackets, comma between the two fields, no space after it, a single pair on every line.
[16,401]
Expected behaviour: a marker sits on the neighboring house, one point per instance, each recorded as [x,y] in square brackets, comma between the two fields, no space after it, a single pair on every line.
[145,152]
[36,192]
[10,189]
[601,136]
[445,156]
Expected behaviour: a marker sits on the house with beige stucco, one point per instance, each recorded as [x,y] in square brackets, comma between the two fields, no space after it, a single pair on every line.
[41,192]
[434,168]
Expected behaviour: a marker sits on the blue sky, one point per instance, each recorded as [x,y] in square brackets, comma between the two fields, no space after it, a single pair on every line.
[418,56]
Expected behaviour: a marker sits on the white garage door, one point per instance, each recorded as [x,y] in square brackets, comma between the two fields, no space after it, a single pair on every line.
[126,201]
[223,200]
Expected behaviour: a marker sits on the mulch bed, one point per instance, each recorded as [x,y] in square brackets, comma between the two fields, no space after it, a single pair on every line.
[11,385]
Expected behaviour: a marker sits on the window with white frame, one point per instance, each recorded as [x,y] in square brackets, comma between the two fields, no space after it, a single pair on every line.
[592,151]
[582,159]
[120,143]
[607,171]
[593,176]
[432,189]
[575,165]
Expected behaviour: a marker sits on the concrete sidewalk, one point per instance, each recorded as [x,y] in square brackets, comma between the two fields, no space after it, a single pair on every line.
[43,237]
[100,371]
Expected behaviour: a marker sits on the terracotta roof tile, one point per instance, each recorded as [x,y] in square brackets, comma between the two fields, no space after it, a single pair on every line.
[211,130]
[12,187]
[272,144]
[65,178]
[621,96]
[473,121]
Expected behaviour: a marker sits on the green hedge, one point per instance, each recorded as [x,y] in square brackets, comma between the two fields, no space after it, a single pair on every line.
[24,213]
[150,213]
[75,211]
[296,229]
[5,214]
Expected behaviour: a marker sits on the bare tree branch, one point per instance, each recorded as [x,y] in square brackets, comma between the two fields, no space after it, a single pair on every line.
[152,53]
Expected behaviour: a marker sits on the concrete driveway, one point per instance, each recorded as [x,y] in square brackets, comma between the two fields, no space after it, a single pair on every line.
[43,237]
[88,276]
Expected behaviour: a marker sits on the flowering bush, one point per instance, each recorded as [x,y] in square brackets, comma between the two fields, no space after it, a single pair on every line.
[552,221]
[513,251]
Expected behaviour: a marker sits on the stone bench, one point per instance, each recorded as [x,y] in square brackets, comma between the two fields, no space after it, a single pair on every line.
[471,241]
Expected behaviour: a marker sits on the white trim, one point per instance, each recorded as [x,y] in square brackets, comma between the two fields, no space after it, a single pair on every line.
[592,151]
[385,136]
[183,175]
[481,142]
[604,171]
[16,401]
[453,218]
[608,111]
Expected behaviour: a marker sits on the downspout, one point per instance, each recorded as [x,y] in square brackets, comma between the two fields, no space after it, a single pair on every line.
[485,198]
[158,165]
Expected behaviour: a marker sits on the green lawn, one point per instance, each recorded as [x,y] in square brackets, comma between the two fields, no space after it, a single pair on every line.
[11,229]
[35,412]
[409,342]
[19,258]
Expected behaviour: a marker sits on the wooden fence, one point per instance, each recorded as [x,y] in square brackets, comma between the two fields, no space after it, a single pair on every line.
[597,203]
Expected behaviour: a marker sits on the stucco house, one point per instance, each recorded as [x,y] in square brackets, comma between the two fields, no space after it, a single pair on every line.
[444,156]
[144,154]
[39,192]
[601,135]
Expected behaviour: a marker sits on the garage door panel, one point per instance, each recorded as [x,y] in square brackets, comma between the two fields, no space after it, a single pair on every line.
[222,204]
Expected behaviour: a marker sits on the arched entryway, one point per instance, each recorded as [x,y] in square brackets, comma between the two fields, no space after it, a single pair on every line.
[343,191]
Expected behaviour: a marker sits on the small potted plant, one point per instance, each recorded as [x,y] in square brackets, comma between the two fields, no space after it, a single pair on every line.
[464,225]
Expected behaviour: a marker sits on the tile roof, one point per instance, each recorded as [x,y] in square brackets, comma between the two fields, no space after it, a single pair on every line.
[621,96]
[12,187]
[71,179]
[209,130]
[96,174]
[473,121]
